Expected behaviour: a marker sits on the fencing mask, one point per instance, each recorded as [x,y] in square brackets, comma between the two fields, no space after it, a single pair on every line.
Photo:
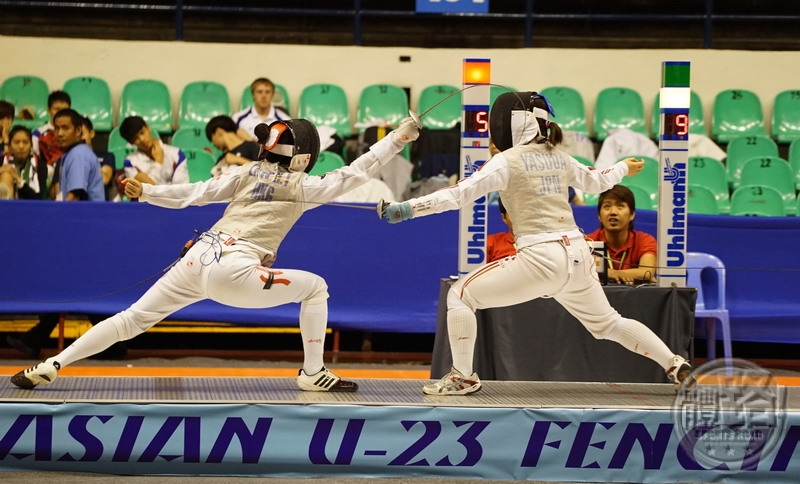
[293,143]
[519,118]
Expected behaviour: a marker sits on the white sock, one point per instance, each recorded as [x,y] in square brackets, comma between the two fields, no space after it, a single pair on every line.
[462,328]
[638,338]
[98,338]
[313,323]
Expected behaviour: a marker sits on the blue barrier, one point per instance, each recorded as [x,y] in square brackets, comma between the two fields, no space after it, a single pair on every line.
[100,257]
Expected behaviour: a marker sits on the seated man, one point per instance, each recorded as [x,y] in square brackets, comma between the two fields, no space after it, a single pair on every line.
[631,254]
[236,151]
[154,161]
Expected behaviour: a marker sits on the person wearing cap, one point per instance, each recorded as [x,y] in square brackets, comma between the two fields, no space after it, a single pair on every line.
[533,176]
[154,161]
[232,262]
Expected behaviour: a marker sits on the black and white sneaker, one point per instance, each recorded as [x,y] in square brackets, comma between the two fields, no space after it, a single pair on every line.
[680,374]
[41,374]
[324,381]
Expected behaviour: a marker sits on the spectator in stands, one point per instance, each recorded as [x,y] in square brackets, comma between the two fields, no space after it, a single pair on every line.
[631,254]
[501,244]
[44,140]
[21,171]
[154,161]
[236,151]
[262,110]
[80,179]
[6,120]
[107,161]
[552,256]
[230,263]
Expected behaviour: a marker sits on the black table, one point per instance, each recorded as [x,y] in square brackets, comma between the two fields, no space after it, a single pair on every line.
[540,341]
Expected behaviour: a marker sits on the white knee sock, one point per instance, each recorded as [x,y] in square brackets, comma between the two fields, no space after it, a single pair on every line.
[462,328]
[638,338]
[99,337]
[313,323]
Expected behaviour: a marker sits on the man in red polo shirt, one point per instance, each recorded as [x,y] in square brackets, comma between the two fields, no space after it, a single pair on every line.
[631,254]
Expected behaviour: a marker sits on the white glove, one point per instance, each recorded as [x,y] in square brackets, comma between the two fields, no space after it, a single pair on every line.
[406,132]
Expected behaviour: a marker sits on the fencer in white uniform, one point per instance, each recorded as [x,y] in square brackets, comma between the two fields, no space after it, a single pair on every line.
[553,259]
[231,263]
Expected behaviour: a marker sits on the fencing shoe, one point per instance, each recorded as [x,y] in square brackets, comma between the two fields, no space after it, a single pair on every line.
[454,383]
[324,381]
[680,374]
[41,374]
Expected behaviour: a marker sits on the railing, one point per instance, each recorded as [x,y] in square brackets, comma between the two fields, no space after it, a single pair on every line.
[707,13]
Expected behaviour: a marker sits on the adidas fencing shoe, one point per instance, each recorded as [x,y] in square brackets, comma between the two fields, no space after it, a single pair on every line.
[41,374]
[680,374]
[454,383]
[324,381]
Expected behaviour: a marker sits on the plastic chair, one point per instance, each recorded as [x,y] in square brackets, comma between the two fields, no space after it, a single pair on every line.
[618,107]
[199,163]
[119,156]
[645,199]
[149,99]
[569,107]
[30,92]
[647,178]
[279,98]
[737,112]
[201,101]
[794,161]
[327,161]
[701,200]
[773,172]
[697,123]
[711,174]
[193,139]
[742,149]
[786,116]
[445,115]
[326,105]
[92,97]
[707,273]
[757,201]
[381,103]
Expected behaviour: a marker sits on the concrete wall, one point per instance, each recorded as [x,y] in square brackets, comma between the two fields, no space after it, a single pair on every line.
[296,66]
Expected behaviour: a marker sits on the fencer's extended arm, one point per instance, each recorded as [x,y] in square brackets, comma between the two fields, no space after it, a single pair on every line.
[597,181]
[362,169]
[492,176]
[217,189]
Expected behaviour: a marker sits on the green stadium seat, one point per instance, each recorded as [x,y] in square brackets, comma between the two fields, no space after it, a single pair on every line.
[327,161]
[701,200]
[27,91]
[618,107]
[569,107]
[786,116]
[326,105]
[743,148]
[697,123]
[647,178]
[591,199]
[193,139]
[119,156]
[149,99]
[381,102]
[711,174]
[445,115]
[645,199]
[280,98]
[794,161]
[199,163]
[754,200]
[201,101]
[773,172]
[737,112]
[92,98]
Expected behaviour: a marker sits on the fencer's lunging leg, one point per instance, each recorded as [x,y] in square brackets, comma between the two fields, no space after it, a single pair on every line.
[462,330]
[98,338]
[640,339]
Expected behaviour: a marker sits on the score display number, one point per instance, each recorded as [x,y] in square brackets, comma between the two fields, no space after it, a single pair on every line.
[676,126]
[476,123]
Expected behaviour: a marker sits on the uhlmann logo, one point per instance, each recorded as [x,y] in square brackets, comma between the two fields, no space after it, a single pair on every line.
[676,248]
[476,245]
